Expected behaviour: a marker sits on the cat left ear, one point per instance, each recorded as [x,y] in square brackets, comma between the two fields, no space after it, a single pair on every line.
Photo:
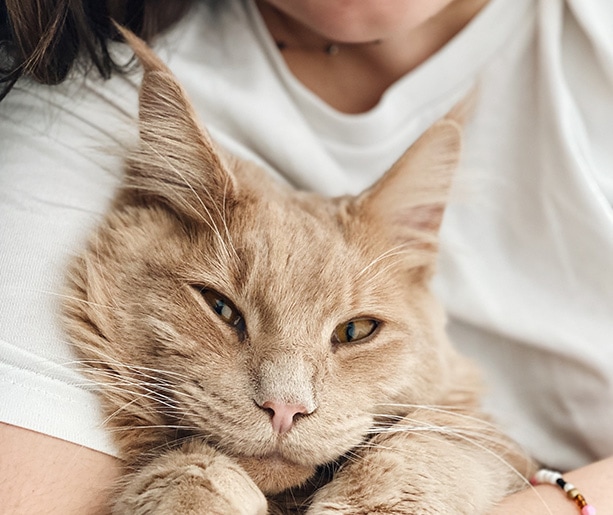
[408,202]
[176,162]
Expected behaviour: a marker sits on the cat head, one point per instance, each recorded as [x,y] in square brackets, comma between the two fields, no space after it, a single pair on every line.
[279,325]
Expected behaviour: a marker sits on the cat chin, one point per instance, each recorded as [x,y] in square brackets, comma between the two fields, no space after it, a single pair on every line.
[275,474]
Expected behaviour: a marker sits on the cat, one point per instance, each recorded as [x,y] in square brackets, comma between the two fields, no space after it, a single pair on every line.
[266,350]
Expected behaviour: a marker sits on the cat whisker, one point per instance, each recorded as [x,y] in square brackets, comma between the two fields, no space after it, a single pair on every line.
[164,394]
[158,375]
[447,410]
[210,222]
[224,221]
[159,385]
[118,411]
[177,427]
[98,281]
[75,299]
[106,360]
[469,434]
[390,268]
[177,442]
[481,428]
[136,389]
[390,253]
[444,431]
[352,456]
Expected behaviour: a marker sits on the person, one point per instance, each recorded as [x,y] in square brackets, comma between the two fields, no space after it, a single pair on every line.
[326,95]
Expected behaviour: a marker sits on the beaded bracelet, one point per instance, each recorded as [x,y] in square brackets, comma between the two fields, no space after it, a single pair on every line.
[552,477]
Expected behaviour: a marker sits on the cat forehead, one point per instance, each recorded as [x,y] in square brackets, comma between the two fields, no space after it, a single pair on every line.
[307,243]
[271,211]
[288,228]
[274,227]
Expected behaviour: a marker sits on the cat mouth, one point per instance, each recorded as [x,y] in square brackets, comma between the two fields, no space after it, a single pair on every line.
[277,457]
[274,458]
[274,473]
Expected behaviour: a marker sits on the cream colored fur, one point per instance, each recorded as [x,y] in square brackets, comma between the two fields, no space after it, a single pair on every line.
[393,423]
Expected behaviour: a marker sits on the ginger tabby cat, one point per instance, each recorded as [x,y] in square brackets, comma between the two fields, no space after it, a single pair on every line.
[265,350]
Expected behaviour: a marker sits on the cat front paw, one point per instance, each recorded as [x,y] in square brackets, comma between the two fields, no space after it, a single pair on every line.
[198,483]
[331,506]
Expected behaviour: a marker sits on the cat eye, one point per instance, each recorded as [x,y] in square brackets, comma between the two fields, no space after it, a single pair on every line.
[224,308]
[354,330]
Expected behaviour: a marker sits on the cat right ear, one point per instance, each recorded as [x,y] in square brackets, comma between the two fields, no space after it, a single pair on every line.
[408,202]
[176,162]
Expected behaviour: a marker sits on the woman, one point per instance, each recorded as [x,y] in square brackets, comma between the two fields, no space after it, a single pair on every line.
[329,94]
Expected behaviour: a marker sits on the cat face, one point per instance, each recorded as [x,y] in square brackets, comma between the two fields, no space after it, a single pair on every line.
[278,325]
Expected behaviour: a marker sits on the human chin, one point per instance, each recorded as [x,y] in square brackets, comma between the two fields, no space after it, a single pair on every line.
[359,21]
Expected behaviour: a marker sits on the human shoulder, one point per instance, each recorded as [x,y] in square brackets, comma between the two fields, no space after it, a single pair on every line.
[84,123]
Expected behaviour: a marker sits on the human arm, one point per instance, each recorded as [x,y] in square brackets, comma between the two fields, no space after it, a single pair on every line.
[42,474]
[593,481]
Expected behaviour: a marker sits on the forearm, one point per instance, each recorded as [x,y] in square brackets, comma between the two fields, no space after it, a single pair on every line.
[593,481]
[41,474]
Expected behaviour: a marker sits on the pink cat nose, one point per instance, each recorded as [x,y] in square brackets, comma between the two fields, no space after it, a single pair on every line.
[282,414]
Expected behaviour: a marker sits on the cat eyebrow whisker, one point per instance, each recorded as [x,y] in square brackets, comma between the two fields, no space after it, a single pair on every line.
[210,223]
[390,253]
[224,221]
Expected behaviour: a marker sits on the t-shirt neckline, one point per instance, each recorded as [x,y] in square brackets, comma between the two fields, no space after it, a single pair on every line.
[454,67]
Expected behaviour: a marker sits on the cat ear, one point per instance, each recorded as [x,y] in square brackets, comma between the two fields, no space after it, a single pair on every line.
[408,202]
[176,162]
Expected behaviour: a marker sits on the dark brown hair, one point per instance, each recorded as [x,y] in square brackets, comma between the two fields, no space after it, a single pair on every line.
[43,39]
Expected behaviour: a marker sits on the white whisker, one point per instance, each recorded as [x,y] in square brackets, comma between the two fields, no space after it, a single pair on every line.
[208,222]
[390,253]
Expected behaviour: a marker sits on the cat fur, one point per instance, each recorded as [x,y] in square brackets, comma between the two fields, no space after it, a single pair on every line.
[393,423]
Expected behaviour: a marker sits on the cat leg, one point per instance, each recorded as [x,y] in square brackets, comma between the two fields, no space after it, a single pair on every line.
[193,480]
[432,463]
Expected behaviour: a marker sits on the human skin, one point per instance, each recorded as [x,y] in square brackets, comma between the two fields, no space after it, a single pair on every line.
[593,481]
[377,45]
[42,474]
[361,21]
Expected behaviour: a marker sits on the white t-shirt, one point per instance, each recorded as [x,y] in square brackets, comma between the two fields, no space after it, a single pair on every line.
[526,268]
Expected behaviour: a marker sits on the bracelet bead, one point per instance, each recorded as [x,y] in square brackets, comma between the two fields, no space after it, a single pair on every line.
[545,476]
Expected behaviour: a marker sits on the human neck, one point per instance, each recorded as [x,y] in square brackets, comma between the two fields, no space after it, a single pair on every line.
[354,79]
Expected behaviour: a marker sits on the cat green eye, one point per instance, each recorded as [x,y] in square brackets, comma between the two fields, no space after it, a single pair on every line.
[224,308]
[354,330]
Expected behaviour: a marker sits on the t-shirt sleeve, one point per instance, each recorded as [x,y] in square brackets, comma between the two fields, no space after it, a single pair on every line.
[61,151]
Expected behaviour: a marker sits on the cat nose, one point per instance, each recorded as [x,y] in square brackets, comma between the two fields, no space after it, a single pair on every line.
[282,415]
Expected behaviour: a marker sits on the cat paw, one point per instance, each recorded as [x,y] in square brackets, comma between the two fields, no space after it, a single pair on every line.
[332,509]
[191,484]
[342,508]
